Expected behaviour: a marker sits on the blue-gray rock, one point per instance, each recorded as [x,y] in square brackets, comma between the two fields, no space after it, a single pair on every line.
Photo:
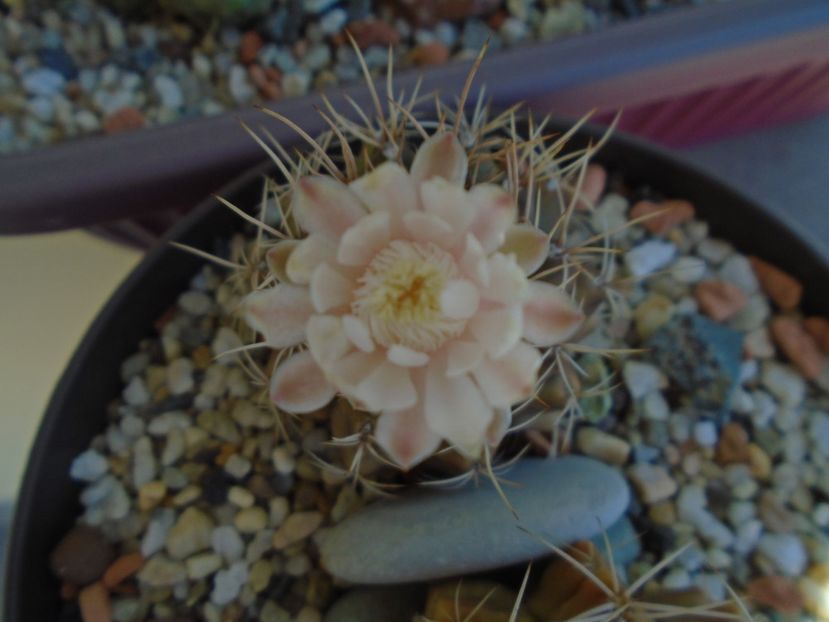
[701,357]
[43,81]
[436,533]
[389,604]
[624,542]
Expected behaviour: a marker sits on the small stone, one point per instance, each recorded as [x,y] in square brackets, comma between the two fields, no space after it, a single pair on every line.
[779,593]
[781,287]
[95,604]
[705,433]
[156,534]
[651,314]
[677,579]
[737,270]
[718,559]
[250,520]
[89,466]
[821,515]
[798,346]
[180,376]
[187,496]
[228,583]
[136,393]
[249,47]
[202,565]
[785,551]
[279,508]
[602,446]
[747,535]
[759,462]
[648,257]
[122,569]
[168,92]
[151,494]
[240,497]
[609,215]
[660,218]
[689,269]
[227,542]
[434,53]
[714,250]
[237,466]
[655,407]
[753,315]
[260,575]
[653,483]
[819,432]
[191,534]
[784,383]
[774,514]
[663,513]
[814,587]
[195,303]
[44,82]
[82,556]
[160,571]
[733,445]
[643,378]
[719,300]
[239,86]
[296,527]
[818,328]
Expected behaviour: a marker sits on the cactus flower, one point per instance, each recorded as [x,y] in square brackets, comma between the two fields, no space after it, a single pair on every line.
[412,295]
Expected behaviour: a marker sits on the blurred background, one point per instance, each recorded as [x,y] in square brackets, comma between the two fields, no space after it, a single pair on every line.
[117,116]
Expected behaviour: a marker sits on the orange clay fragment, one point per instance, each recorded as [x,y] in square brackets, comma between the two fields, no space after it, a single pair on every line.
[781,287]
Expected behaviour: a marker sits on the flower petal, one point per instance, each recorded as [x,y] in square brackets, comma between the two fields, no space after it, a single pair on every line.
[279,313]
[474,263]
[406,357]
[299,386]
[388,188]
[324,205]
[463,356]
[498,330]
[550,315]
[529,244]
[499,426]
[405,436]
[309,253]
[495,212]
[363,241]
[277,258]
[348,372]
[330,289]
[448,202]
[358,333]
[440,155]
[387,387]
[459,299]
[508,283]
[511,378]
[456,409]
[326,339]
[425,227]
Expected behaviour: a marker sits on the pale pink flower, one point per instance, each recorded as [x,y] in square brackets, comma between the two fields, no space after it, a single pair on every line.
[412,295]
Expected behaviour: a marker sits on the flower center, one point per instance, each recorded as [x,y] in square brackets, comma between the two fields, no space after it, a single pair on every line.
[399,296]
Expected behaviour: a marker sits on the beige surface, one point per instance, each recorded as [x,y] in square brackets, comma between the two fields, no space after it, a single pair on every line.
[53,285]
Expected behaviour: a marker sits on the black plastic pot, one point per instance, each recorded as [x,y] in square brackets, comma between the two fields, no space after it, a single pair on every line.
[48,503]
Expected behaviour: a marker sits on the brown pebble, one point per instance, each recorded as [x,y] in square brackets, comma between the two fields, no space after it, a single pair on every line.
[759,462]
[779,593]
[250,46]
[732,447]
[592,187]
[370,32]
[202,357]
[666,214]
[798,346]
[774,513]
[719,300]
[818,328]
[124,120]
[267,81]
[82,556]
[122,569]
[781,287]
[434,53]
[95,604]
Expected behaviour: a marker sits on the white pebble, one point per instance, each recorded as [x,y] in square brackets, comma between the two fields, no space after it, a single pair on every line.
[237,466]
[228,583]
[227,542]
[737,270]
[649,257]
[195,303]
[655,407]
[712,585]
[157,530]
[279,509]
[88,466]
[169,92]
[283,461]
[136,392]
[705,433]
[180,376]
[784,383]
[688,269]
[643,378]
[785,551]
[747,536]
[677,579]
[714,250]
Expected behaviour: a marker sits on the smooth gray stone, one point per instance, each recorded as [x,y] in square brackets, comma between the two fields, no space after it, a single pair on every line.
[436,533]
[383,604]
